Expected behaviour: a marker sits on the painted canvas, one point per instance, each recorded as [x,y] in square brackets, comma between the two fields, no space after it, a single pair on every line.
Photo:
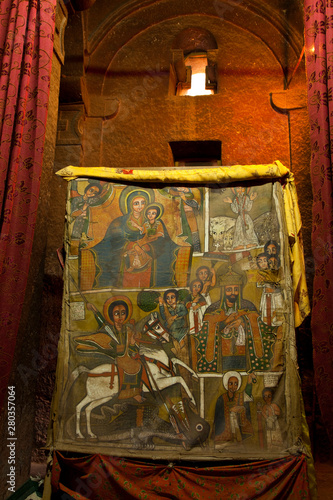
[177,322]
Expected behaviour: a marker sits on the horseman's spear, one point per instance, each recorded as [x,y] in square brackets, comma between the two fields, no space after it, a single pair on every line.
[100,316]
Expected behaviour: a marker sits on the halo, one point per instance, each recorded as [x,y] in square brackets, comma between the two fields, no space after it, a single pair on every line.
[129,192]
[155,205]
[228,375]
[110,301]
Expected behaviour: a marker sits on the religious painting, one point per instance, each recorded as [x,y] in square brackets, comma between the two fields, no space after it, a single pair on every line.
[177,313]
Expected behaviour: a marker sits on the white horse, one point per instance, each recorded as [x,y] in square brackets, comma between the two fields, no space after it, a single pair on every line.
[103,380]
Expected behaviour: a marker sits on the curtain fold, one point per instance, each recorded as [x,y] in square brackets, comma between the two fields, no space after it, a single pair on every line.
[26,48]
[98,476]
[319,57]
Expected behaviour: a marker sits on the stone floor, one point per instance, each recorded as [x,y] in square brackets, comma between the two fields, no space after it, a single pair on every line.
[324,473]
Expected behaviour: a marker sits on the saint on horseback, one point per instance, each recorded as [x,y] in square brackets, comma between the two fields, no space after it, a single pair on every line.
[141,365]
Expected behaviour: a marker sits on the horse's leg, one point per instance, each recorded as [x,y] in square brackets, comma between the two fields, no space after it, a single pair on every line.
[179,362]
[163,383]
[89,409]
[86,400]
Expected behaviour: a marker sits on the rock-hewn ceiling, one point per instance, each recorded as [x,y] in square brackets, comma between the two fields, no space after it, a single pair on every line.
[95,35]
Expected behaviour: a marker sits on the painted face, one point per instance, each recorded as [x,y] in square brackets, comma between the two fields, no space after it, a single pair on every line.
[228,240]
[232,384]
[92,191]
[196,288]
[267,397]
[138,204]
[151,215]
[171,299]
[240,189]
[232,292]
[262,262]
[273,263]
[203,274]
[119,316]
[271,249]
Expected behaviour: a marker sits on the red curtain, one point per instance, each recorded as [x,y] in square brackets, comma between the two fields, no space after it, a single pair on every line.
[100,477]
[319,57]
[26,47]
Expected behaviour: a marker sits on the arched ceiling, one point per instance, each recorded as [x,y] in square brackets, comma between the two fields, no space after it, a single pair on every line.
[106,27]
[112,25]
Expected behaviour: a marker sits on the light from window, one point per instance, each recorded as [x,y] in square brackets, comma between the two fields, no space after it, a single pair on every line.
[198,63]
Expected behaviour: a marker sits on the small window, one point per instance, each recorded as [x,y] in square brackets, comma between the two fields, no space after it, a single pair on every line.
[197,62]
[193,65]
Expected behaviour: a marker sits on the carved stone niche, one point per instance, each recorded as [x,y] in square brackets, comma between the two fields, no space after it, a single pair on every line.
[70,124]
[192,41]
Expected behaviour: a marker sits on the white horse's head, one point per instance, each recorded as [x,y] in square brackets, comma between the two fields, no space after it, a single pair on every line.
[154,329]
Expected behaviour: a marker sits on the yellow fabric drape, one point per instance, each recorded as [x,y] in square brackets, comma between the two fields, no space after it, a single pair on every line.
[177,174]
[294,225]
[235,173]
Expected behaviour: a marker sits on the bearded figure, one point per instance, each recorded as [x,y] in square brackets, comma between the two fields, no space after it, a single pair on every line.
[233,336]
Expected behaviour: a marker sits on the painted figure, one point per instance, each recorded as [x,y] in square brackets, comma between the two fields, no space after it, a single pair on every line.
[272,248]
[232,412]
[153,227]
[233,336]
[174,314]
[80,210]
[268,421]
[158,374]
[262,261]
[274,262]
[272,301]
[117,339]
[208,278]
[188,208]
[196,305]
[271,304]
[130,256]
[140,254]
[228,240]
[121,236]
[244,235]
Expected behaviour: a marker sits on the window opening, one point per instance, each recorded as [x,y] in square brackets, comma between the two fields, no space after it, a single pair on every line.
[197,64]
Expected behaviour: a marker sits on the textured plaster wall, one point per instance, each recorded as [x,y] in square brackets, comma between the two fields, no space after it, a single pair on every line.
[147,118]
[128,86]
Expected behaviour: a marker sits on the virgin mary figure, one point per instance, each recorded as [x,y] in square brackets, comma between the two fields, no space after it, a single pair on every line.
[129,256]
